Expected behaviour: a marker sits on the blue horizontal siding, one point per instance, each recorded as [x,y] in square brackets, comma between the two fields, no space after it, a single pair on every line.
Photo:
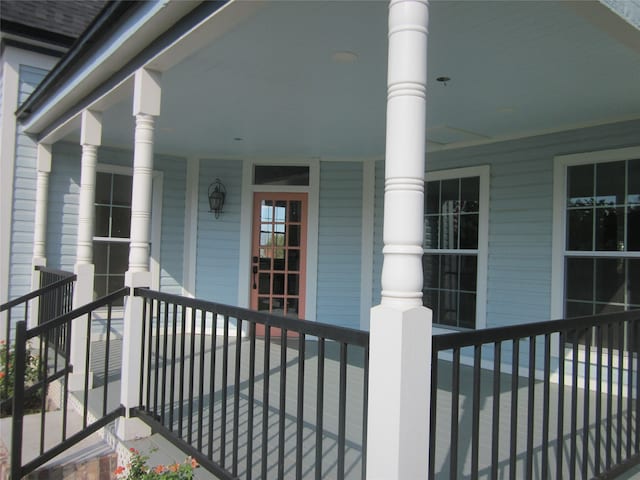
[24,194]
[339,243]
[172,237]
[218,251]
[521,212]
[64,197]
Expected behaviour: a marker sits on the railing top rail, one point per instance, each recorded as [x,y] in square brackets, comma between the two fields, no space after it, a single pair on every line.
[78,312]
[515,332]
[37,293]
[62,273]
[329,332]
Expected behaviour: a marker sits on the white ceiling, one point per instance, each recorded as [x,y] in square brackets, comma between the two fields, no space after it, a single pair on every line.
[516,68]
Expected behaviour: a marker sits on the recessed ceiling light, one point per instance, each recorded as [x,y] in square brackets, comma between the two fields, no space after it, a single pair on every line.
[344,57]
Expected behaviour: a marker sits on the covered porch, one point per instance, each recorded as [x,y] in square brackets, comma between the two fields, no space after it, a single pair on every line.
[322,165]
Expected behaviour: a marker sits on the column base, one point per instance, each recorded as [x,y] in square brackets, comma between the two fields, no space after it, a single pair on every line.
[76,381]
[399,393]
[131,428]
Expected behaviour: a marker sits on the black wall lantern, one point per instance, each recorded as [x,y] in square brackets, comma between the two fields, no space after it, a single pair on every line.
[217,193]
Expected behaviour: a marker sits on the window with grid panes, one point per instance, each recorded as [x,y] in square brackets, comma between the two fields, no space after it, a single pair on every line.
[111,231]
[450,260]
[602,248]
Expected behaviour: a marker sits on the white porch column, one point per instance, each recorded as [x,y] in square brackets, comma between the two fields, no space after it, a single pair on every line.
[90,139]
[146,106]
[42,192]
[400,335]
[43,164]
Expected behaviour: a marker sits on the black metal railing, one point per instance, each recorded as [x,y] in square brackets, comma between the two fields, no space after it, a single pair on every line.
[253,395]
[556,399]
[43,371]
[52,299]
[56,302]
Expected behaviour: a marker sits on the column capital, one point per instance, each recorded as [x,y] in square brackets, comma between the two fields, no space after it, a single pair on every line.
[147,92]
[43,157]
[91,128]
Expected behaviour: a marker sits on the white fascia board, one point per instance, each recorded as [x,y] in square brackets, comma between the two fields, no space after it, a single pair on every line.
[136,33]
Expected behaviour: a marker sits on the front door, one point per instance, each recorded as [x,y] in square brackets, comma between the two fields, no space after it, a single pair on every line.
[279,252]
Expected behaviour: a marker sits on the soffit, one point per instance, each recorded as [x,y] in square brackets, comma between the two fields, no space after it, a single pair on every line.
[516,69]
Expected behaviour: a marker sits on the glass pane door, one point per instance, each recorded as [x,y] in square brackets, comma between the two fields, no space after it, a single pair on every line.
[279,253]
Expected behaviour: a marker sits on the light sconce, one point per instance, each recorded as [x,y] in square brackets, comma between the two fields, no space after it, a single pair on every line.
[217,194]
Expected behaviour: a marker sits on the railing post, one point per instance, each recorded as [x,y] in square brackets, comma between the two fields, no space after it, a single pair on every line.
[128,428]
[18,400]
[400,335]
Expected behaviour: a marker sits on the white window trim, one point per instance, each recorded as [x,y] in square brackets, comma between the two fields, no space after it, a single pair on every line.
[483,172]
[246,219]
[156,217]
[560,164]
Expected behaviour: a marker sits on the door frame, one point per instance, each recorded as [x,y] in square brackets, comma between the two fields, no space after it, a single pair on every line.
[246,227]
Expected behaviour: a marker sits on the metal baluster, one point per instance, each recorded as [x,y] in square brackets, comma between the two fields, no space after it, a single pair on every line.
[545,407]
[183,337]
[620,339]
[85,409]
[282,410]
[455,405]
[106,362]
[192,359]
[495,427]
[165,348]
[265,399]
[513,450]
[574,407]
[43,407]
[609,396]
[212,382]
[236,396]
[320,407]
[598,422]
[342,409]
[203,326]
[629,371]
[156,365]
[560,436]
[18,400]
[251,400]
[531,385]
[225,391]
[300,407]
[587,389]
[475,421]
[172,379]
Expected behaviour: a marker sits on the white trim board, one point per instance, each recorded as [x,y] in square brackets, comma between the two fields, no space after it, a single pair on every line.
[484,173]
[246,218]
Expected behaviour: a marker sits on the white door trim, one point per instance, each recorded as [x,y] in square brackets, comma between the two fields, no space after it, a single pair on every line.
[246,220]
